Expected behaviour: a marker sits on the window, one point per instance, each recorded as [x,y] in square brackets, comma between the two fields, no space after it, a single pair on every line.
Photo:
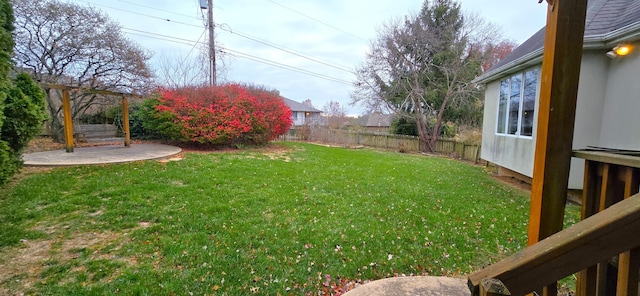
[516,104]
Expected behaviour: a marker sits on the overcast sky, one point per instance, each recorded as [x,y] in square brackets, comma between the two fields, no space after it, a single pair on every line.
[326,38]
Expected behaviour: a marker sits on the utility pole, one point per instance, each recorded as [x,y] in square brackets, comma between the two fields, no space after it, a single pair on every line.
[212,45]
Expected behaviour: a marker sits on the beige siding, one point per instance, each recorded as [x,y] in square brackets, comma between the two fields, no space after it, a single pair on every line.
[517,153]
[513,152]
[591,93]
[621,117]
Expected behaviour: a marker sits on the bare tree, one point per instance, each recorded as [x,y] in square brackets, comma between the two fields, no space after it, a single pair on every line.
[335,114]
[64,43]
[177,71]
[421,67]
[495,52]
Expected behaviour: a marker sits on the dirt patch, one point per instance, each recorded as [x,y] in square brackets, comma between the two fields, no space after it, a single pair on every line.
[278,155]
[27,261]
[515,183]
[175,158]
[24,173]
[46,143]
[43,144]
[21,267]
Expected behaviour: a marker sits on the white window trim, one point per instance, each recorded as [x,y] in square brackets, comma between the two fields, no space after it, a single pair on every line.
[506,119]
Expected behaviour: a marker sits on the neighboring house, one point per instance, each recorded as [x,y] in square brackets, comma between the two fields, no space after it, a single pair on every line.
[608,106]
[376,122]
[303,113]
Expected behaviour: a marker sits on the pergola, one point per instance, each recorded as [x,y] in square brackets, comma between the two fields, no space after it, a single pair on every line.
[66,109]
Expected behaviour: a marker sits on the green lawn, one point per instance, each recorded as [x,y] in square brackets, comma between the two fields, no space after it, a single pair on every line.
[292,219]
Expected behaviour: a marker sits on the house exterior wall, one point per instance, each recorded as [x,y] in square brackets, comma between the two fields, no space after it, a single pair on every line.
[297,117]
[301,118]
[513,152]
[621,118]
[591,94]
[517,153]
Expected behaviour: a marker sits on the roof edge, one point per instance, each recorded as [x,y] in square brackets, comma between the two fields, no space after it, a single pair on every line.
[627,33]
[528,60]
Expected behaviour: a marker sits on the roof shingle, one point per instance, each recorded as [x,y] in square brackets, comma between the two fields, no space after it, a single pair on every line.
[603,17]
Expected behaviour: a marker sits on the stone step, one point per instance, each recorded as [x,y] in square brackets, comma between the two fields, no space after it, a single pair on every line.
[413,285]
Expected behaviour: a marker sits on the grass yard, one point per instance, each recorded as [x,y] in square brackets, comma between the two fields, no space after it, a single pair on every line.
[288,220]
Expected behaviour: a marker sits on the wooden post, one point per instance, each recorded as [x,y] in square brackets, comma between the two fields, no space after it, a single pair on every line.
[125,122]
[629,262]
[68,123]
[554,137]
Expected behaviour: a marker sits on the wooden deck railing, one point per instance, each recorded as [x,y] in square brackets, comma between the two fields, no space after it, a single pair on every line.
[604,248]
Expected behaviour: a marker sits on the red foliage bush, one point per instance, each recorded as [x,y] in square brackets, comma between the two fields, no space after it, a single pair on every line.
[227,114]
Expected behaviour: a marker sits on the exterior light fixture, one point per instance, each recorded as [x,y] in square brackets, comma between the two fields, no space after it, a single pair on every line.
[620,50]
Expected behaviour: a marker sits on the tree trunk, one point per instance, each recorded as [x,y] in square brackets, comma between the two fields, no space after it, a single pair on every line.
[435,132]
[421,122]
[56,127]
[423,133]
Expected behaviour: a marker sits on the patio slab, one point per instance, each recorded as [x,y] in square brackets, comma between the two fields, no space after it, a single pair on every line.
[413,285]
[100,155]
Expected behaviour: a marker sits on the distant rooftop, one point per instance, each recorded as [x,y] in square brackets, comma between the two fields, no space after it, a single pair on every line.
[376,120]
[300,107]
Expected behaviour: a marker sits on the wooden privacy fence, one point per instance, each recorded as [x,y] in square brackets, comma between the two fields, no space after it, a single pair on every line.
[382,141]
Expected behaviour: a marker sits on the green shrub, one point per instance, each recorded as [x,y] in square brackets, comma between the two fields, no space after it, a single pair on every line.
[9,163]
[24,113]
[146,122]
[404,126]
[6,49]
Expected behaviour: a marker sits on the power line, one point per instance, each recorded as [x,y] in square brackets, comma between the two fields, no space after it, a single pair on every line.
[229,30]
[317,20]
[238,54]
[158,9]
[190,51]
[150,16]
[172,39]
[242,55]
[284,66]
[255,39]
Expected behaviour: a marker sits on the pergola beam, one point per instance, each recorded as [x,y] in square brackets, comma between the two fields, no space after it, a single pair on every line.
[66,108]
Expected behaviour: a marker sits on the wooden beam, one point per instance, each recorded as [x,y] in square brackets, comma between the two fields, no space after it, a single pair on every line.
[584,244]
[125,122]
[87,90]
[68,123]
[612,158]
[556,116]
[55,86]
